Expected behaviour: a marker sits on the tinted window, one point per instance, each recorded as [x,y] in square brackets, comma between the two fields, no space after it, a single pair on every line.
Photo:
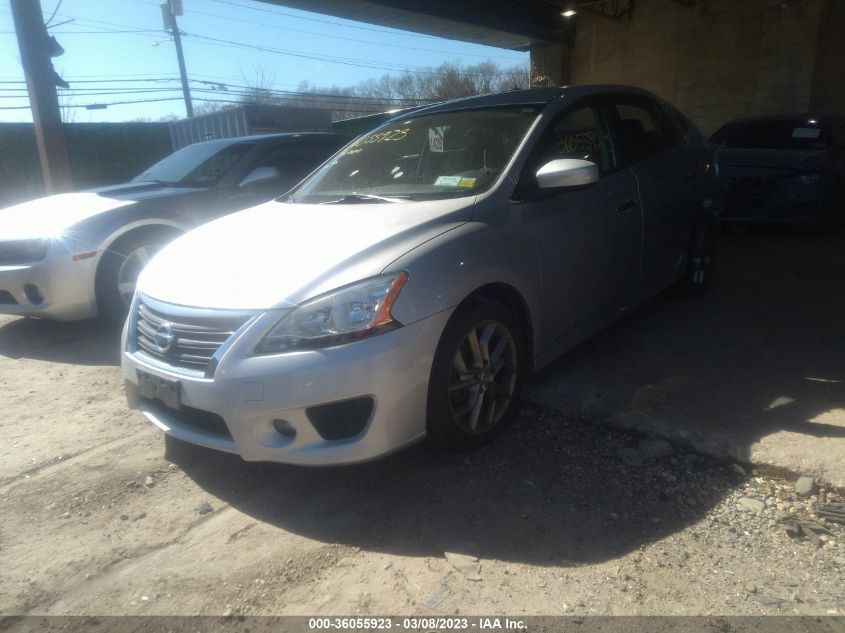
[295,161]
[641,132]
[203,164]
[578,133]
[800,134]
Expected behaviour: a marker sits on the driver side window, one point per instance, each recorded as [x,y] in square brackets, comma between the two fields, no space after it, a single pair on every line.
[580,132]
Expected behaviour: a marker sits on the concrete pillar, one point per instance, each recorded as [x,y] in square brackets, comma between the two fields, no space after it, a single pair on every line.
[788,56]
[828,92]
[550,65]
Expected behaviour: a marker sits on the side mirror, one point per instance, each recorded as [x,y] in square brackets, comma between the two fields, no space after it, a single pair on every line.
[567,172]
[260,175]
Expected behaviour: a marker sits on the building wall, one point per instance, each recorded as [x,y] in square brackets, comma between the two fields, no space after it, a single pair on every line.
[720,59]
[828,92]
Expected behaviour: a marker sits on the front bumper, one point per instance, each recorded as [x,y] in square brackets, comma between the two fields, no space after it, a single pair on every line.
[248,393]
[55,287]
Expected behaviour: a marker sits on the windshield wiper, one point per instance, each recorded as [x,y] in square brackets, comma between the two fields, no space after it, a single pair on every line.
[353,198]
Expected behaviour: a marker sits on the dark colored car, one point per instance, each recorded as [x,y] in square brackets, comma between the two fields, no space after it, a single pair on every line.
[78,255]
[783,168]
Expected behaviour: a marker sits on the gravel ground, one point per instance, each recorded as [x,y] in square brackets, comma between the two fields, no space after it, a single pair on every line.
[101,516]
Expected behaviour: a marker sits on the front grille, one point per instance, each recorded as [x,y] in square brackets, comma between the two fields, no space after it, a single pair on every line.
[6,298]
[747,194]
[195,335]
[20,252]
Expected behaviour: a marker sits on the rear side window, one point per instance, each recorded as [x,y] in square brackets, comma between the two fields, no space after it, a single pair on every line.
[792,133]
[640,129]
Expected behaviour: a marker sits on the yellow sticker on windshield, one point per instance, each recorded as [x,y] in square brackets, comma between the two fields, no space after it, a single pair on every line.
[467,182]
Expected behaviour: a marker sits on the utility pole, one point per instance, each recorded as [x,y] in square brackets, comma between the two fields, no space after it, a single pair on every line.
[169,11]
[36,49]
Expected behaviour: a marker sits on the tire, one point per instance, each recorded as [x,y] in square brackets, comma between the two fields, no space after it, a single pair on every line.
[469,403]
[700,257]
[119,268]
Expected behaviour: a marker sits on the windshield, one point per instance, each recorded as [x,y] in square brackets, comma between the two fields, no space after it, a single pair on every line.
[797,134]
[200,165]
[443,155]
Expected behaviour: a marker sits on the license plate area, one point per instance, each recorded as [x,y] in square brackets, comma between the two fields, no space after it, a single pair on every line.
[154,388]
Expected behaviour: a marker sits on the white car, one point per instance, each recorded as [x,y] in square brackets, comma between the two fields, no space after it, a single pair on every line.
[409,286]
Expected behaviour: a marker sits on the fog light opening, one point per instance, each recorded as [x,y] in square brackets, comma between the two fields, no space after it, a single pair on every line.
[283,427]
[32,294]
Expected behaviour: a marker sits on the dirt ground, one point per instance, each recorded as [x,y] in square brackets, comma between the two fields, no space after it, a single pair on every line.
[561,516]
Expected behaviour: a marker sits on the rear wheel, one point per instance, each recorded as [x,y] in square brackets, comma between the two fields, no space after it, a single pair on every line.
[700,258]
[476,376]
[119,268]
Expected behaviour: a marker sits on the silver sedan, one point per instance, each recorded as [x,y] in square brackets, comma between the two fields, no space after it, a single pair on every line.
[408,287]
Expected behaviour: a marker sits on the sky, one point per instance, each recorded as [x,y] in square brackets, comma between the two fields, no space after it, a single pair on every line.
[117,50]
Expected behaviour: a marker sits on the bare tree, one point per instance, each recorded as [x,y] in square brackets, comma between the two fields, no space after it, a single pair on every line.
[450,80]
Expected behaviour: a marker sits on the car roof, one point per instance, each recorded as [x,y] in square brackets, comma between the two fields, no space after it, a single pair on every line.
[533,96]
[786,116]
[280,136]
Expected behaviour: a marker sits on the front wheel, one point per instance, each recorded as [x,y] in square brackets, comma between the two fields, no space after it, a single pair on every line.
[476,377]
[119,268]
[700,258]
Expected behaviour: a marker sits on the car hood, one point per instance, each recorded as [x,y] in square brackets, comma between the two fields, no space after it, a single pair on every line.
[51,216]
[280,254]
[776,160]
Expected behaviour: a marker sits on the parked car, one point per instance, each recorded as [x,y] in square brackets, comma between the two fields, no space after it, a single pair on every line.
[78,255]
[782,168]
[409,286]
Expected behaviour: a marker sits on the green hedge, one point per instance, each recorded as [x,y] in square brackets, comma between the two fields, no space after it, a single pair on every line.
[100,154]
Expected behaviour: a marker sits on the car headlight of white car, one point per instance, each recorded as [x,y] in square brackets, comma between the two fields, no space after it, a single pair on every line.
[341,316]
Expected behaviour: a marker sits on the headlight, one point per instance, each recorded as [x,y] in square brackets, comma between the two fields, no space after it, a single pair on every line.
[348,314]
[22,251]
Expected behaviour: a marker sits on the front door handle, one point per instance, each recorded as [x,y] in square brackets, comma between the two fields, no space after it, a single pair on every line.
[626,205]
[690,177]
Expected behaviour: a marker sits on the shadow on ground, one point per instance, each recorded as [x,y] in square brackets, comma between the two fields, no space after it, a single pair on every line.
[91,342]
[550,492]
[761,354]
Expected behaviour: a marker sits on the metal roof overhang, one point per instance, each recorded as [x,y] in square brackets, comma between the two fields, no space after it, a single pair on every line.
[511,24]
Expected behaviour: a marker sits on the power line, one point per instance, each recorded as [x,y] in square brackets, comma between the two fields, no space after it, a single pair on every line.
[347,61]
[349,26]
[53,14]
[339,37]
[159,100]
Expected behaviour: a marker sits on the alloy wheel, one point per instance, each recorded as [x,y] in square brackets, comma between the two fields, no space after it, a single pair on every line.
[127,276]
[701,256]
[483,376]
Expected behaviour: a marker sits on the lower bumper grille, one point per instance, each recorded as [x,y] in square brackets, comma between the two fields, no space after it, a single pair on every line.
[197,419]
[6,298]
[182,337]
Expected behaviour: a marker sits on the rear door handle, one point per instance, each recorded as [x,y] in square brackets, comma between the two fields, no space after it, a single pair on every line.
[626,205]
[690,177]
